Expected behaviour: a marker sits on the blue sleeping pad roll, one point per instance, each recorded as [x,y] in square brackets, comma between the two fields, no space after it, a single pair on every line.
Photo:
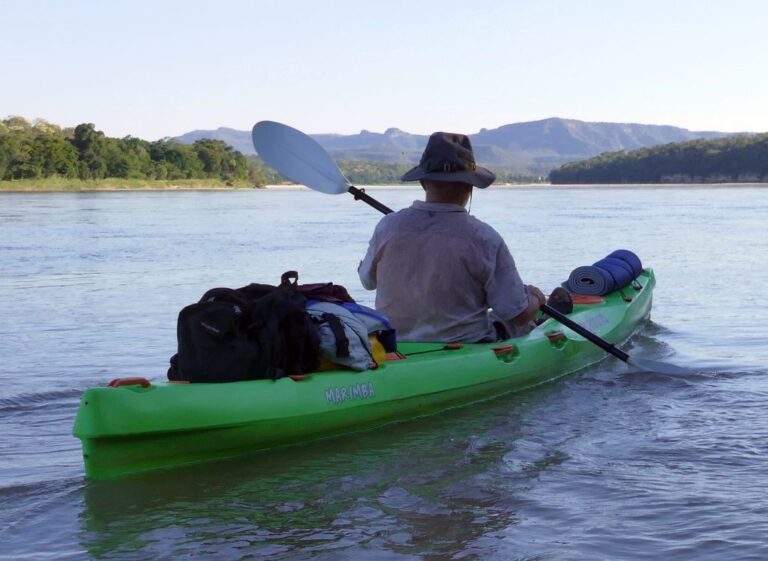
[589,280]
[620,271]
[630,259]
[613,272]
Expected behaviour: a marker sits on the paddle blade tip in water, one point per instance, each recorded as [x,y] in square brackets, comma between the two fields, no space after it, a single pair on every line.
[646,365]
[298,157]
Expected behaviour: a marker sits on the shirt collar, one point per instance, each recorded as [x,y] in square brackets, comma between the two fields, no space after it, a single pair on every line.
[437,207]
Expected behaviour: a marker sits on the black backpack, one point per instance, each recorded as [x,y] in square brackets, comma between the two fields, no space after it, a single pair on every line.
[257,331]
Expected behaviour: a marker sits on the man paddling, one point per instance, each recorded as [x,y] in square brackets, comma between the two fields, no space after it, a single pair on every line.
[441,274]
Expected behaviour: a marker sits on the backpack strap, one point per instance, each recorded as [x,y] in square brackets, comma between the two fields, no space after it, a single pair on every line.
[289,279]
[342,343]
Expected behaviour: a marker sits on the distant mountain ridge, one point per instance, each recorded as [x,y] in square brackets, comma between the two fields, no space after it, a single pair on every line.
[534,146]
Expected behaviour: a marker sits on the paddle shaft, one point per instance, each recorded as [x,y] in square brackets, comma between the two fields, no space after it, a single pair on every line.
[361,195]
[603,344]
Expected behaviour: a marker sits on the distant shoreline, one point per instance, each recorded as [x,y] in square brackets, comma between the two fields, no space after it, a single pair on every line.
[85,187]
[57,185]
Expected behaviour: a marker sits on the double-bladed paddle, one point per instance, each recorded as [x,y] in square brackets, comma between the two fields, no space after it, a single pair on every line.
[300,158]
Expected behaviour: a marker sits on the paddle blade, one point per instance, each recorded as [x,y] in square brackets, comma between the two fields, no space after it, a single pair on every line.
[646,365]
[298,157]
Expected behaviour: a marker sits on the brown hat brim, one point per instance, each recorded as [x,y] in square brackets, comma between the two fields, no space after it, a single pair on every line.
[480,177]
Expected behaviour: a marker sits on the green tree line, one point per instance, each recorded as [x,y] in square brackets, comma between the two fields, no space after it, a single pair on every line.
[360,172]
[739,158]
[42,150]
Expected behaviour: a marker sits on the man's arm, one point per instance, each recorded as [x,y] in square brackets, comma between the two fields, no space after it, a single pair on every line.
[510,299]
[367,268]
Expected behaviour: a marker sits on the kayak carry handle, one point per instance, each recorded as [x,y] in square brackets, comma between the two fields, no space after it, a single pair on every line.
[557,339]
[506,353]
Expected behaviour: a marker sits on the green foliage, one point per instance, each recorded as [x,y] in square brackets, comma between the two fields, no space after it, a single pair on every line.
[90,145]
[372,173]
[260,174]
[740,158]
[220,160]
[382,173]
[41,150]
[363,172]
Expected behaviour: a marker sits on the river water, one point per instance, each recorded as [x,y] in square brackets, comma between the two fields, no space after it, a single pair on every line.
[605,464]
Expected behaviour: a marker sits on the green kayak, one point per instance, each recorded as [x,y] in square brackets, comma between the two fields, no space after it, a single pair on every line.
[136,426]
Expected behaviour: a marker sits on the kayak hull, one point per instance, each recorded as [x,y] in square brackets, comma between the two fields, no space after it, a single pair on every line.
[132,428]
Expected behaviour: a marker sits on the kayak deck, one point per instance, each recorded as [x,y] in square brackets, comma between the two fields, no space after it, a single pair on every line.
[132,428]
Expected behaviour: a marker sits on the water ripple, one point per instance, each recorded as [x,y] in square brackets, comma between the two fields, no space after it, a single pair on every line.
[606,464]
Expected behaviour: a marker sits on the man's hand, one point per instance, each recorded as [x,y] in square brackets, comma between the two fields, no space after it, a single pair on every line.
[536,299]
[538,295]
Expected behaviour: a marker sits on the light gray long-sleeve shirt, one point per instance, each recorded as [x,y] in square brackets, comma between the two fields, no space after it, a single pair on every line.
[438,271]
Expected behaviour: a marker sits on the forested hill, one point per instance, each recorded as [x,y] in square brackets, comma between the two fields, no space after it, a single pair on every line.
[741,158]
[47,155]
[531,147]
[42,150]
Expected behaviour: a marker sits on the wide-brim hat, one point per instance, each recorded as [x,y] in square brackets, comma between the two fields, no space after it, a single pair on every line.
[449,157]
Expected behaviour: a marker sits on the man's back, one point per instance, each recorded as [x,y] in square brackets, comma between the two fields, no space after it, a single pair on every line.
[437,270]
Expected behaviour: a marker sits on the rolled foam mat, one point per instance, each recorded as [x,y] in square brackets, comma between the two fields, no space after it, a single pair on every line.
[615,271]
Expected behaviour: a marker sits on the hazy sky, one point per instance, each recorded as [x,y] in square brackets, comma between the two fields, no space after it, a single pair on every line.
[164,67]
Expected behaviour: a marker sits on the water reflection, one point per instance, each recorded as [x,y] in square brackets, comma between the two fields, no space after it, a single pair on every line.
[403,489]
